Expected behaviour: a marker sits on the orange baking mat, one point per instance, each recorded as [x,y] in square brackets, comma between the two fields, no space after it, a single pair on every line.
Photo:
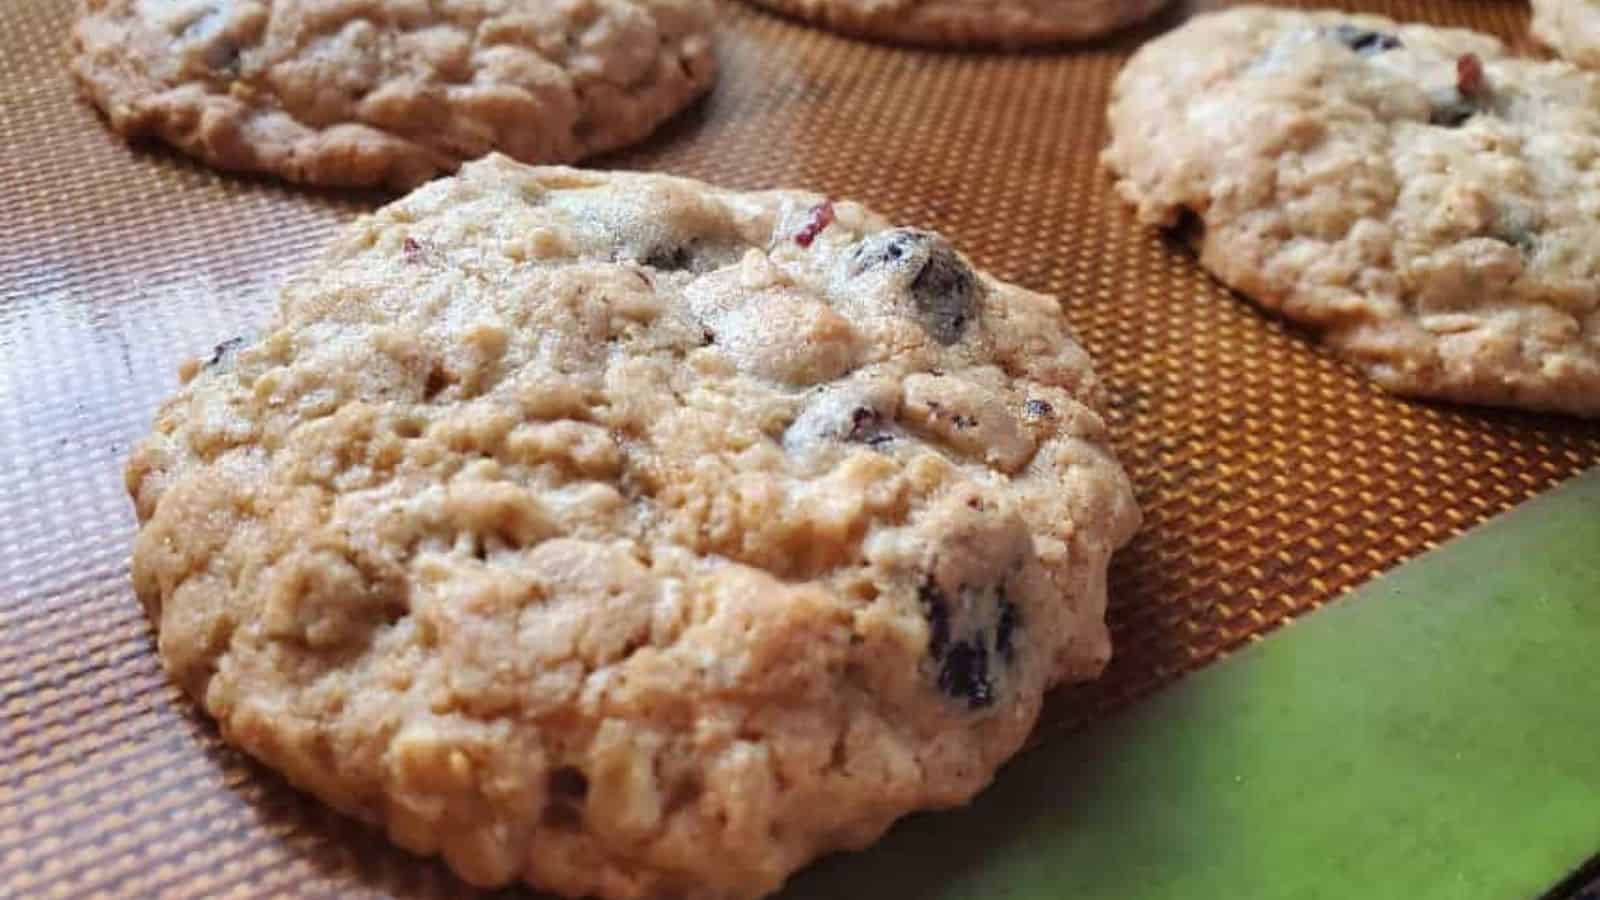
[1273,478]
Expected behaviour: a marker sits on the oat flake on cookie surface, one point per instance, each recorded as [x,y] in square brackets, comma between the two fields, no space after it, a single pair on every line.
[1421,199]
[629,536]
[390,93]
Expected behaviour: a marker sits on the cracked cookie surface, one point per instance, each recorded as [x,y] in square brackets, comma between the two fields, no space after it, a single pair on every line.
[629,536]
[1421,199]
[960,23]
[390,93]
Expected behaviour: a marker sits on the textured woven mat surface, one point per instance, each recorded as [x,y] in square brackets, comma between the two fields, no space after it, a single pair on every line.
[1273,478]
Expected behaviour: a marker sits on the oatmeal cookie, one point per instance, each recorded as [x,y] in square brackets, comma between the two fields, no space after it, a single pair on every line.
[629,536]
[1571,28]
[1421,199]
[390,92]
[960,23]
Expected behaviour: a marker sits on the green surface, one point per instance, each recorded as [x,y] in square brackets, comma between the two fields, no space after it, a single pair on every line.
[1436,735]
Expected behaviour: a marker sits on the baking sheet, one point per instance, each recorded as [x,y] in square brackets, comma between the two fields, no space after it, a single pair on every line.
[1273,478]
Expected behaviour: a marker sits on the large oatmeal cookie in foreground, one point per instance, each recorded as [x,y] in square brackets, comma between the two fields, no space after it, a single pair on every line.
[1421,199]
[390,92]
[629,536]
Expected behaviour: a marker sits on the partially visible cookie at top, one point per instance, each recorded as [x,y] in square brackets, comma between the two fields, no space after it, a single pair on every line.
[629,536]
[971,23]
[1424,201]
[361,93]
[1571,28]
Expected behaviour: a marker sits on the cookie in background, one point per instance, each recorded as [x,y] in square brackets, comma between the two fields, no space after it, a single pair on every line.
[1419,197]
[390,94]
[971,23]
[1571,28]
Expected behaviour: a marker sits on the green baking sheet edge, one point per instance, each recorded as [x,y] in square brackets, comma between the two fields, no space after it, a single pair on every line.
[1434,735]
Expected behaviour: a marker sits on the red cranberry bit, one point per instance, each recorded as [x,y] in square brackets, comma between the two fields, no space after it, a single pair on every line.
[821,217]
[412,249]
[1469,76]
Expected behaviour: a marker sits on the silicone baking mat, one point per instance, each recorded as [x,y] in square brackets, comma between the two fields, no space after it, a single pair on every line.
[1273,478]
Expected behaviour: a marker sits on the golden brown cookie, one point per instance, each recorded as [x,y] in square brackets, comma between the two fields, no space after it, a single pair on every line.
[1571,28]
[1419,197]
[967,23]
[632,537]
[390,92]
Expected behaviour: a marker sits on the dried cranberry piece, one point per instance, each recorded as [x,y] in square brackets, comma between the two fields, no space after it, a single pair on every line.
[1365,41]
[1470,80]
[965,674]
[1471,94]
[413,249]
[943,290]
[866,427]
[965,665]
[936,609]
[1005,629]
[222,354]
[821,217]
[669,258]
